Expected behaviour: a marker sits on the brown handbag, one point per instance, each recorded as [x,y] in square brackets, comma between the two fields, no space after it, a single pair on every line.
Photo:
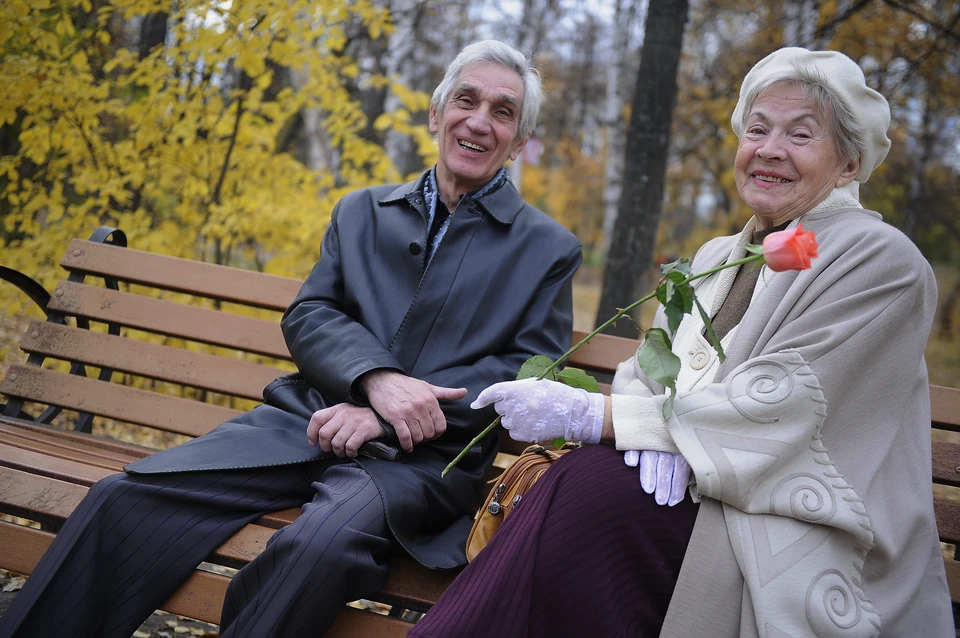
[508,490]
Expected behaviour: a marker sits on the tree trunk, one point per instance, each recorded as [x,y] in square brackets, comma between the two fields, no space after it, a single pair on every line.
[800,22]
[153,33]
[624,14]
[913,210]
[318,152]
[645,160]
[403,67]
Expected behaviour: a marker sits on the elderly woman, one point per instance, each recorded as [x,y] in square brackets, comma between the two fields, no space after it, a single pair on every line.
[810,510]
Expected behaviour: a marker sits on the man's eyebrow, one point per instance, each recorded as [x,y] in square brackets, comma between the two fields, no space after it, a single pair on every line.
[511,100]
[465,87]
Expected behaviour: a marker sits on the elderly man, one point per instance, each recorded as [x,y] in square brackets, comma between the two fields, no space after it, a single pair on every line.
[424,295]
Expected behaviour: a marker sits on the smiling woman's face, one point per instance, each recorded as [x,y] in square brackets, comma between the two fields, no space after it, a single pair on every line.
[787,161]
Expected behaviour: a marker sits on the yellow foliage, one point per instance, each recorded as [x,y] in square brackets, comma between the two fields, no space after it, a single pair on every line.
[570,190]
[173,149]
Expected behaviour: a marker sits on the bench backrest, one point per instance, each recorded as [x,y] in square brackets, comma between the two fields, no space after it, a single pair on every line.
[181,303]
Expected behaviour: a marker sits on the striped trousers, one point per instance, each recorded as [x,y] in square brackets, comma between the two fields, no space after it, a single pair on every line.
[134,538]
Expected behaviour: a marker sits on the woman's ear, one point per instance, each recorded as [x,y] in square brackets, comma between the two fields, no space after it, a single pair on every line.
[849,173]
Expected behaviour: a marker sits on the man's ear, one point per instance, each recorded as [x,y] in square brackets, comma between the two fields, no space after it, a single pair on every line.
[849,173]
[432,124]
[518,146]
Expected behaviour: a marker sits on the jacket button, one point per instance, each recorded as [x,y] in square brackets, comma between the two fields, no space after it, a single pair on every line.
[699,360]
[415,248]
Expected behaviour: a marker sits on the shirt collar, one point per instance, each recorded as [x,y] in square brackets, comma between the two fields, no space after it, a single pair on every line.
[503,203]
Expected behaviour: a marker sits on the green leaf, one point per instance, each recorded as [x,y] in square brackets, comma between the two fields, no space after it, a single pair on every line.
[534,367]
[667,409]
[677,299]
[558,442]
[681,265]
[578,379]
[754,249]
[662,292]
[710,332]
[657,360]
[674,316]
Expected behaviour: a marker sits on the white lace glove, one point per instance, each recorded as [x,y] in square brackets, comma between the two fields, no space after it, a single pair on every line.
[535,410]
[662,474]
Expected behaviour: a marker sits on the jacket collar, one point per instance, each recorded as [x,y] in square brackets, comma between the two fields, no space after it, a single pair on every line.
[503,204]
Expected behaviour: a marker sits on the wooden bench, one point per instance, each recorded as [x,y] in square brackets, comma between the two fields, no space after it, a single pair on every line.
[140,365]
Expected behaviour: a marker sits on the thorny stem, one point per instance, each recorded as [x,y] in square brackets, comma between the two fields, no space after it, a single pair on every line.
[609,322]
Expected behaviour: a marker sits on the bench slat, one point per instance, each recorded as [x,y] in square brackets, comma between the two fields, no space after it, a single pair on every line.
[36,497]
[56,446]
[49,450]
[120,449]
[603,352]
[19,464]
[195,369]
[169,318]
[945,407]
[946,463]
[141,407]
[200,597]
[953,579]
[182,275]
[947,512]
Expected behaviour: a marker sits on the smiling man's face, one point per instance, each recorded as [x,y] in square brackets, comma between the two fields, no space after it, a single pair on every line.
[477,130]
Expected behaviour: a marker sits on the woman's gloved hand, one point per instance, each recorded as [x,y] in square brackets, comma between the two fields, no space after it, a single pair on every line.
[539,410]
[662,474]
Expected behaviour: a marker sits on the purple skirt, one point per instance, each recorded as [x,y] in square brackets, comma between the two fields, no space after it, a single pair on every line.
[587,553]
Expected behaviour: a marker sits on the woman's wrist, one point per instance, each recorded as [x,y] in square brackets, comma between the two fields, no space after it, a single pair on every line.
[607,434]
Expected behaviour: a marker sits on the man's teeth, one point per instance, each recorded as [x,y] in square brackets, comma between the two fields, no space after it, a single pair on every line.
[471,146]
[770,178]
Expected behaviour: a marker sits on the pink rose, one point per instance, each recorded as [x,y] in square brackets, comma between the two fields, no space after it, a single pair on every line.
[789,249]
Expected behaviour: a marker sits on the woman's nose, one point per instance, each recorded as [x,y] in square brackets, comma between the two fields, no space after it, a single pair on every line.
[771,148]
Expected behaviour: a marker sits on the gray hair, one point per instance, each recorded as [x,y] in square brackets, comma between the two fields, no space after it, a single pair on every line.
[847,133]
[495,52]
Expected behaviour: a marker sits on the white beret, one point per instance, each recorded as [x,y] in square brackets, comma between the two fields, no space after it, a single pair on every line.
[844,77]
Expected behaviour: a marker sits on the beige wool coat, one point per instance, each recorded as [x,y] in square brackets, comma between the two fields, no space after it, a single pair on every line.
[811,450]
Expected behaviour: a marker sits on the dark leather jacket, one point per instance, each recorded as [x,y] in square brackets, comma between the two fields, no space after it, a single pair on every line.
[497,291]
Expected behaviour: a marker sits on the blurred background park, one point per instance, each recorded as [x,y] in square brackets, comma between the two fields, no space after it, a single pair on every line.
[225,130]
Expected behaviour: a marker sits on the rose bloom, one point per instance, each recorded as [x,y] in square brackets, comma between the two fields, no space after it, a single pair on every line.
[789,249]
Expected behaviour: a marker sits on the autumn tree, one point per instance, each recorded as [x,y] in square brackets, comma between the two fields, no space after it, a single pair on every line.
[177,136]
[645,162]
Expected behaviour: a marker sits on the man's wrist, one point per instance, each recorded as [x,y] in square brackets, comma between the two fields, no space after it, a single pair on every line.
[368,380]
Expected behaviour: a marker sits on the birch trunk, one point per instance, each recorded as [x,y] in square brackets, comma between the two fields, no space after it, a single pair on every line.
[615,130]
[645,161]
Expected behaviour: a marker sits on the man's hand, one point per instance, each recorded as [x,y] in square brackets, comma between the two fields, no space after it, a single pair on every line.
[343,428]
[410,405]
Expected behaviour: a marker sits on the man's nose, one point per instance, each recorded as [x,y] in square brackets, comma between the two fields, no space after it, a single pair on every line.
[479,120]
